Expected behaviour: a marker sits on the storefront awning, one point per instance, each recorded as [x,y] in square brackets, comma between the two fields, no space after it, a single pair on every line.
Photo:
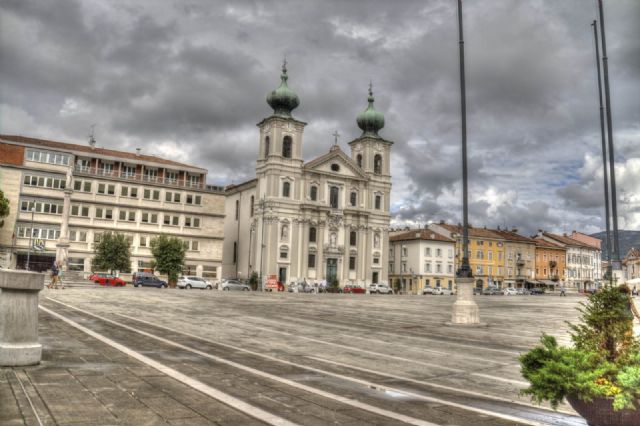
[549,282]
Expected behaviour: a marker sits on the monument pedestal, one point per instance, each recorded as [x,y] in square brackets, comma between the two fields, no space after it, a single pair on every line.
[19,318]
[465,310]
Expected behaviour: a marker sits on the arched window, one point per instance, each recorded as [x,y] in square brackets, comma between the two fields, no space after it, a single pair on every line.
[251,207]
[353,198]
[333,197]
[286,147]
[286,189]
[353,238]
[377,164]
[313,193]
[312,234]
[359,160]
[378,202]
[267,143]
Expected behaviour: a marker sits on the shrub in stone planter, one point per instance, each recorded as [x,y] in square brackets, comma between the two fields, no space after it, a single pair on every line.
[602,367]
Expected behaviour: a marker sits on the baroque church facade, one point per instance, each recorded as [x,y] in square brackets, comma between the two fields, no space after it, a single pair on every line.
[324,219]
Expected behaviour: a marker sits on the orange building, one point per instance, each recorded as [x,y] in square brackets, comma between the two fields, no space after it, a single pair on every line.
[551,262]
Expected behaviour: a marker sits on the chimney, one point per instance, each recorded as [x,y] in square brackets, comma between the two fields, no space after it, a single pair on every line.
[441,222]
[138,152]
[514,230]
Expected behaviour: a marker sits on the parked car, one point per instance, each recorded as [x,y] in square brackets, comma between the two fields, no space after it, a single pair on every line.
[106,279]
[331,289]
[491,291]
[510,291]
[538,291]
[97,275]
[427,290]
[194,282]
[380,288]
[523,291]
[477,290]
[229,285]
[148,280]
[354,289]
[301,287]
[442,291]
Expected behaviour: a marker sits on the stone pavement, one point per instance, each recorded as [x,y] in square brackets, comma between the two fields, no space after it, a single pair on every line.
[279,359]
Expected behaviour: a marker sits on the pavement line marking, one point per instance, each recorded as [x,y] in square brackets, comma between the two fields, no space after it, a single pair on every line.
[342,399]
[515,382]
[33,408]
[436,385]
[353,379]
[193,383]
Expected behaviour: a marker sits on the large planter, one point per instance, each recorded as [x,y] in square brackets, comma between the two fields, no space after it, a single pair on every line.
[600,412]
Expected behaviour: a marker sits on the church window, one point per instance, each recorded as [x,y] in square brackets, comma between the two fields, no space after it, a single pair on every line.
[352,263]
[378,202]
[267,143]
[313,193]
[312,235]
[377,164]
[286,189]
[353,238]
[251,206]
[353,198]
[235,252]
[286,147]
[284,232]
[312,260]
[335,167]
[359,160]
[333,197]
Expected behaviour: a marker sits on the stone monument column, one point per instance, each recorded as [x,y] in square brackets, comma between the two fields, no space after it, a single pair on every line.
[465,310]
[62,246]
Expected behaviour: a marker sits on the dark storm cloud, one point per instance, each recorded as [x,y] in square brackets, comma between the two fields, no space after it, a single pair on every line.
[189,80]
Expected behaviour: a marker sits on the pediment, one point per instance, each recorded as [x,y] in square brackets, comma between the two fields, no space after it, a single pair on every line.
[336,163]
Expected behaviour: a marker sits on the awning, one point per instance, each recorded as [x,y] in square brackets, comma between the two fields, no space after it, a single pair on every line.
[548,282]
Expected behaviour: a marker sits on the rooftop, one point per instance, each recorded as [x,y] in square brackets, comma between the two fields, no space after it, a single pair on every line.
[419,234]
[547,244]
[564,239]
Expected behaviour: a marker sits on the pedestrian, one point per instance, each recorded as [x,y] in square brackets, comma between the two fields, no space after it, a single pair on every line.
[635,291]
[562,291]
[54,275]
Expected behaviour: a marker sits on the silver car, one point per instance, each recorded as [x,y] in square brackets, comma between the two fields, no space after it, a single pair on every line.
[228,285]
[442,291]
[194,282]
[427,290]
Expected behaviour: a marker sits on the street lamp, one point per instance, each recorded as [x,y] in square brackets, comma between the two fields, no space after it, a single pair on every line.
[33,211]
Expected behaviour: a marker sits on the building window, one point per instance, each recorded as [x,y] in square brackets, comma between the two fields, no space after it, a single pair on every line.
[378,202]
[143,241]
[286,147]
[391,267]
[353,198]
[450,268]
[48,157]
[286,189]
[334,191]
[44,182]
[151,194]
[149,217]
[335,167]
[376,260]
[312,234]
[235,252]
[267,145]
[237,209]
[359,160]
[194,199]
[192,222]
[479,270]
[427,267]
[82,185]
[311,260]
[377,164]
[438,268]
[313,193]
[352,263]
[251,206]
[171,220]
[353,237]
[404,251]
[284,252]
[427,251]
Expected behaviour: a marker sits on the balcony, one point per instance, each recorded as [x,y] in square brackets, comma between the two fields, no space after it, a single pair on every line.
[139,177]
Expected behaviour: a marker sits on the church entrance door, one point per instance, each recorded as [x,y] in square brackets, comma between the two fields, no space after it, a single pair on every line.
[332,270]
[282,275]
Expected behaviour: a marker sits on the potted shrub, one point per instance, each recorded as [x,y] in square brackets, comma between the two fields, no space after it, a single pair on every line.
[600,375]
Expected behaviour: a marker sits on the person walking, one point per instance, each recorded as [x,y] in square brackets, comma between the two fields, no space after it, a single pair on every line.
[562,291]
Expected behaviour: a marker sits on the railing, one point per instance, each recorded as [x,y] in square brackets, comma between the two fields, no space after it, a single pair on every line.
[140,177]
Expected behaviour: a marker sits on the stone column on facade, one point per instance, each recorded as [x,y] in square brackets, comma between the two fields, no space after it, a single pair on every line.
[19,318]
[320,261]
[368,255]
[384,256]
[294,249]
[361,274]
[62,246]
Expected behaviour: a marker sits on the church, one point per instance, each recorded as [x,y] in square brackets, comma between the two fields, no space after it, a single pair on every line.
[323,219]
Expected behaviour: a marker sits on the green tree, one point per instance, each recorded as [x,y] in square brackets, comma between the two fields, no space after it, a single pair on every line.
[169,254]
[113,252]
[253,281]
[4,208]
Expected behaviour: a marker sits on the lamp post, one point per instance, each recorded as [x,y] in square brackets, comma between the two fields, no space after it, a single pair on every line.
[465,310]
[33,211]
[263,209]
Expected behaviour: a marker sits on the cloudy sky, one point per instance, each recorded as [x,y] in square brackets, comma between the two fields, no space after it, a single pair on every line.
[188,79]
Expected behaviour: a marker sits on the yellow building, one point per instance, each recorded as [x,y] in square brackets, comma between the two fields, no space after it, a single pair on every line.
[519,259]
[486,253]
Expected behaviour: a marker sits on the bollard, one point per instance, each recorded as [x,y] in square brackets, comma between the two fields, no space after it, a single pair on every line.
[19,318]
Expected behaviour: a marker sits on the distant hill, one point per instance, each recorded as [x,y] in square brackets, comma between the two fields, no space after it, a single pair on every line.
[626,239]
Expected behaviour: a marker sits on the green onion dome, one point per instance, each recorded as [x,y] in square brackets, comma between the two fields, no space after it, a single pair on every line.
[283,100]
[370,120]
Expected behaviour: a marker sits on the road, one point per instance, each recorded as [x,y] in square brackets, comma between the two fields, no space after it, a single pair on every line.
[134,356]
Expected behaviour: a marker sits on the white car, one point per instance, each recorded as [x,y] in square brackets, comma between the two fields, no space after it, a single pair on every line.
[380,289]
[510,291]
[194,282]
[427,290]
[442,291]
[234,285]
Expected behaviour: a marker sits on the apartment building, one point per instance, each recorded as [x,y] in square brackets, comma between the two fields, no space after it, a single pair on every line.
[583,260]
[631,266]
[486,252]
[551,262]
[64,197]
[520,258]
[420,258]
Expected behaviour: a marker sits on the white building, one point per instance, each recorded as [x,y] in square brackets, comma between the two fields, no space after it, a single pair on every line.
[419,258]
[583,261]
[65,196]
[327,218]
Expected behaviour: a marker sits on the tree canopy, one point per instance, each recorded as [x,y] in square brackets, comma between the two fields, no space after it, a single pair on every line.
[4,208]
[169,254]
[113,252]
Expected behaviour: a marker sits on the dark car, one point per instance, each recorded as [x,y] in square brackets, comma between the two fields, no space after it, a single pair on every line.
[491,291]
[148,280]
[536,291]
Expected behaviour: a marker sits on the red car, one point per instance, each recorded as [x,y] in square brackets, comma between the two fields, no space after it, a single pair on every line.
[104,279]
[353,289]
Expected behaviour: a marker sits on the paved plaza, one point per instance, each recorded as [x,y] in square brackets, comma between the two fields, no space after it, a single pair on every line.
[150,356]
